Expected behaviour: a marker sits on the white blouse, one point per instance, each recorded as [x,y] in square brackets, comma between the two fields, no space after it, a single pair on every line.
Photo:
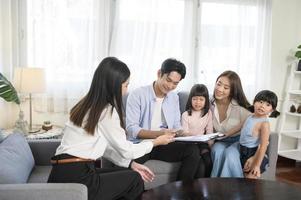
[109,140]
[235,115]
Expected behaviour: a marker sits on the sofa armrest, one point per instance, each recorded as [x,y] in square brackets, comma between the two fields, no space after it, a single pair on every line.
[273,153]
[43,150]
[45,191]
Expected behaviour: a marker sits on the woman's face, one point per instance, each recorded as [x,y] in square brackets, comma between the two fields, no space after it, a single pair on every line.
[124,87]
[222,88]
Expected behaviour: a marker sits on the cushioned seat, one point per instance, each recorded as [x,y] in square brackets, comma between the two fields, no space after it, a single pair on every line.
[39,174]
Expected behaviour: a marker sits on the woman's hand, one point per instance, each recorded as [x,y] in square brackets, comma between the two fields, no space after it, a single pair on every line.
[146,174]
[164,139]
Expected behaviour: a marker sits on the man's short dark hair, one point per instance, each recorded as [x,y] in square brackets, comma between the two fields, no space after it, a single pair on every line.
[173,65]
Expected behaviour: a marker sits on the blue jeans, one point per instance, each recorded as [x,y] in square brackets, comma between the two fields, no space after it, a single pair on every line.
[226,158]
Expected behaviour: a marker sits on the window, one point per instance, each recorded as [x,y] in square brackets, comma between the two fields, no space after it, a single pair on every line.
[70,38]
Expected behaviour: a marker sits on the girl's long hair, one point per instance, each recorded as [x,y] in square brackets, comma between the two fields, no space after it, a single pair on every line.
[105,89]
[198,90]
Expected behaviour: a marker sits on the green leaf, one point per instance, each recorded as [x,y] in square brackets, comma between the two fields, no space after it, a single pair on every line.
[299,47]
[7,91]
[298,54]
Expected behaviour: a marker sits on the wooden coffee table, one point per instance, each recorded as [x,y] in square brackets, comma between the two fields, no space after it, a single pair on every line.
[225,188]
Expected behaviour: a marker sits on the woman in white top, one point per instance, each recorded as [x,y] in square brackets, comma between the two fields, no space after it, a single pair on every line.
[229,108]
[96,129]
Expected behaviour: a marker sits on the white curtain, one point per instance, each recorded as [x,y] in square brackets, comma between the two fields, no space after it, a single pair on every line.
[146,32]
[235,35]
[8,54]
[68,39]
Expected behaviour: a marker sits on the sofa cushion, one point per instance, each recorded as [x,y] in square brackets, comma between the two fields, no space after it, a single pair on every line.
[16,159]
[39,174]
[1,136]
[162,167]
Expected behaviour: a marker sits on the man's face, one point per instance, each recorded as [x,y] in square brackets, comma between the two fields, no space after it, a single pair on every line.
[168,82]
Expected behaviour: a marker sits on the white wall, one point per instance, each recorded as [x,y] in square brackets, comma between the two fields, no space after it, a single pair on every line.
[286,36]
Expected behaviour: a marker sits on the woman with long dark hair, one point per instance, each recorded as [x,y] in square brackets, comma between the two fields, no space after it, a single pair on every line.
[96,129]
[229,106]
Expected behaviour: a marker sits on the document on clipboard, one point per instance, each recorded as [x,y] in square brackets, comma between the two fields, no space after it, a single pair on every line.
[200,138]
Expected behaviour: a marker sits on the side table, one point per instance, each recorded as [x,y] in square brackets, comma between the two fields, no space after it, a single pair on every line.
[54,133]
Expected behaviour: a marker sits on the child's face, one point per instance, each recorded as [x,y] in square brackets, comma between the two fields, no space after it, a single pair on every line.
[262,108]
[198,102]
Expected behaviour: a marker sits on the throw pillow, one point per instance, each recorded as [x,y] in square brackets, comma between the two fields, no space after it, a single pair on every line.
[16,160]
[1,136]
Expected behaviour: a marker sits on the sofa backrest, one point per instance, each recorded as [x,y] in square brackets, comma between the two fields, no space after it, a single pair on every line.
[183,96]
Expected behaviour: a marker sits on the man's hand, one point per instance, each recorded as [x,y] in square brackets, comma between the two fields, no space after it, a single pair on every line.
[146,174]
[179,133]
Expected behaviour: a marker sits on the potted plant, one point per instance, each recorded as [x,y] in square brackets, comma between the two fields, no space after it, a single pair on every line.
[7,91]
[298,55]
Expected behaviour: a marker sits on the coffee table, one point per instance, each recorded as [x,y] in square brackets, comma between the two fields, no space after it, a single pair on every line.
[224,188]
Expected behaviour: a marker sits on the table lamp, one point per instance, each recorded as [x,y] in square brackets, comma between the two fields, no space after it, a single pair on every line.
[29,81]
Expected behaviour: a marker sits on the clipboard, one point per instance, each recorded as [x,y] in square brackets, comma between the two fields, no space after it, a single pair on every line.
[200,138]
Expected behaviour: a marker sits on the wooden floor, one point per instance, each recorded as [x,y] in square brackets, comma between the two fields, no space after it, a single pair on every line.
[288,171]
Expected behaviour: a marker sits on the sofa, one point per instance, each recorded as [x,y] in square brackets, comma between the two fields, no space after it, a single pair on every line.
[24,170]
[167,172]
[32,185]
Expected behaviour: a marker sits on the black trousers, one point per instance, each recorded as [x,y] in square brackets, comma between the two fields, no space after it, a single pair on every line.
[115,183]
[187,154]
[205,154]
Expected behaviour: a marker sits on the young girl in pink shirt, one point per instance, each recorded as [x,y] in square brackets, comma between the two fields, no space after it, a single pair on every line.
[197,120]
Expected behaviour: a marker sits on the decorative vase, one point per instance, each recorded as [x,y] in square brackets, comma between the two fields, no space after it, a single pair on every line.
[299,65]
[47,126]
[293,109]
[21,125]
[299,109]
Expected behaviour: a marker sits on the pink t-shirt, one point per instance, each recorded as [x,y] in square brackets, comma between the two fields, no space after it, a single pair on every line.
[196,124]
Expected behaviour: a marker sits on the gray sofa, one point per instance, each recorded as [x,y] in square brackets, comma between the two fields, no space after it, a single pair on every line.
[167,172]
[36,186]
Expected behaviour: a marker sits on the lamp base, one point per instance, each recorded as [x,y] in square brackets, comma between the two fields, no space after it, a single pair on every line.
[33,130]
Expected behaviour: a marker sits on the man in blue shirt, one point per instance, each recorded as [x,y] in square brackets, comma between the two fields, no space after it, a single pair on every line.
[153,110]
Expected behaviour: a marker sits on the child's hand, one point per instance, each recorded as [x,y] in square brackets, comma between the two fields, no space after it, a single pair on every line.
[210,143]
[256,171]
[248,164]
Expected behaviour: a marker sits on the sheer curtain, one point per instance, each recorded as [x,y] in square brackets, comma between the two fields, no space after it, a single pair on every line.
[8,54]
[68,39]
[146,32]
[235,35]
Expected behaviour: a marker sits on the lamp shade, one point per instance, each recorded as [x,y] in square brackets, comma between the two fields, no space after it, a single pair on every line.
[30,80]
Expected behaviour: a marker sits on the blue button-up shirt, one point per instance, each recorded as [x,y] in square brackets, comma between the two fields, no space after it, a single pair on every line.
[140,106]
